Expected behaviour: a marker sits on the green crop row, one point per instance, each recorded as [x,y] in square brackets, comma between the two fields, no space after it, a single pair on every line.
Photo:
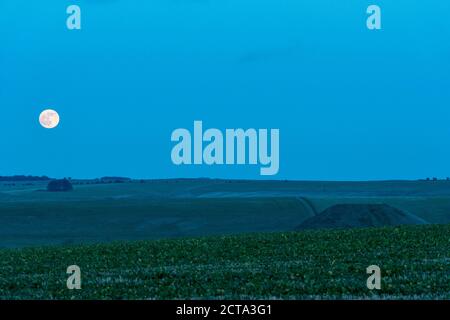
[414,262]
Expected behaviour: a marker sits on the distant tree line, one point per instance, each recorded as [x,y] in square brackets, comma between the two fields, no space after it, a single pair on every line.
[435,179]
[115,179]
[24,178]
[102,180]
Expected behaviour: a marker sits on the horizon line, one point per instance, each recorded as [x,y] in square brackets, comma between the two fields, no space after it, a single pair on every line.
[225,179]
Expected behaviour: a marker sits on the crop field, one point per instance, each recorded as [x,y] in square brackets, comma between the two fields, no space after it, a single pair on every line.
[219,239]
[415,264]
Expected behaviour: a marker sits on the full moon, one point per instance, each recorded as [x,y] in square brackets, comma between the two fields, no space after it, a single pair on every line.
[49,119]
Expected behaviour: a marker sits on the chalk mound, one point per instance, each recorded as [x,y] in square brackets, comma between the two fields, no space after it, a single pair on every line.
[360,216]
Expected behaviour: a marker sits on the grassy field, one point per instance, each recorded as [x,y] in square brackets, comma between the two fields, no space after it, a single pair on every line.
[83,222]
[163,209]
[415,263]
[171,239]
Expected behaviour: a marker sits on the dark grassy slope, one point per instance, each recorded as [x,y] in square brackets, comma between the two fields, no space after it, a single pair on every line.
[415,263]
[82,222]
[187,208]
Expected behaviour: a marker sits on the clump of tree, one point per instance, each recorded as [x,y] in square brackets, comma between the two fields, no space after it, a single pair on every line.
[62,185]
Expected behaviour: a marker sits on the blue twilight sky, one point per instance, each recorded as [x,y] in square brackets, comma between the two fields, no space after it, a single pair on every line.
[350,103]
